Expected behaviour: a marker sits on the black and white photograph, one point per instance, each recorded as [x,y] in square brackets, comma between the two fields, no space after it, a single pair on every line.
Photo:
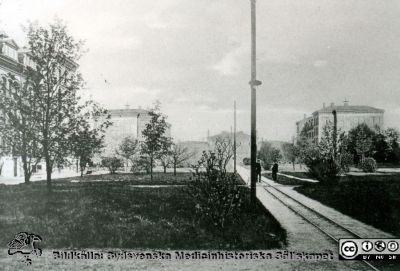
[200,135]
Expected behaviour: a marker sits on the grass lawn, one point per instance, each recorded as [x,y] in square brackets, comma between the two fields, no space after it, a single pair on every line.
[388,165]
[159,178]
[285,180]
[374,200]
[92,214]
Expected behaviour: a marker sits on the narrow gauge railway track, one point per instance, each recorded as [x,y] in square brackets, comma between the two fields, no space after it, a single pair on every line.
[327,226]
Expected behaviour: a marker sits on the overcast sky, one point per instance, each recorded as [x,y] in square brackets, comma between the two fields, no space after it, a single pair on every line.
[193,56]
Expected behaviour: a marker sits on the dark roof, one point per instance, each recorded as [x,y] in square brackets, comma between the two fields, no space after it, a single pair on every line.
[350,109]
[127,112]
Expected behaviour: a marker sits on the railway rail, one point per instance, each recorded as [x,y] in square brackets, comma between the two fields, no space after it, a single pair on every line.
[327,226]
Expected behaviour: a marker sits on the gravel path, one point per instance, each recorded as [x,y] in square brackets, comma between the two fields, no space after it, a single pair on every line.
[301,235]
[354,225]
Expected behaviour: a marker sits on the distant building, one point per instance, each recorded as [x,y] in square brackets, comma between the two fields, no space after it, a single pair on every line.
[126,122]
[348,117]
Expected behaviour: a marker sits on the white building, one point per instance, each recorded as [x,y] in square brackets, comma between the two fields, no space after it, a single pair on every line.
[348,117]
[11,61]
[126,122]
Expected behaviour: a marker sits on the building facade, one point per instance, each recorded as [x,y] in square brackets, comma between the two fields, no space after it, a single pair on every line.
[348,117]
[15,60]
[11,61]
[126,122]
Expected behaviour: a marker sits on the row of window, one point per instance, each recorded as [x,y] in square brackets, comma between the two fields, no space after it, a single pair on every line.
[10,52]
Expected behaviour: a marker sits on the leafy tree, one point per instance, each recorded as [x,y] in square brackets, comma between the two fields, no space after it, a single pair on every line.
[269,154]
[291,153]
[87,141]
[363,144]
[165,153]
[129,150]
[165,161]
[19,121]
[361,141]
[303,143]
[178,155]
[155,140]
[112,163]
[321,160]
[382,148]
[380,144]
[55,54]
[392,138]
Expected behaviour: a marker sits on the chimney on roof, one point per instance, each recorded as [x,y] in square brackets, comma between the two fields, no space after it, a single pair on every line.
[346,102]
[323,105]
[3,34]
[332,104]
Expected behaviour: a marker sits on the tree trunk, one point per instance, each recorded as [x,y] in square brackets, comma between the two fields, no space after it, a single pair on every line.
[48,177]
[27,175]
[293,166]
[25,167]
[151,168]
[48,171]
[174,169]
[165,168]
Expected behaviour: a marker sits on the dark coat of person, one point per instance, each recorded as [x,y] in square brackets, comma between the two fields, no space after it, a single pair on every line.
[258,168]
[258,171]
[275,171]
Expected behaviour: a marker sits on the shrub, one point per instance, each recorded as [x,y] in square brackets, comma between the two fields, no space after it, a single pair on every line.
[321,167]
[267,166]
[368,165]
[323,170]
[140,164]
[246,161]
[112,163]
[345,160]
[214,191]
[327,159]
[217,199]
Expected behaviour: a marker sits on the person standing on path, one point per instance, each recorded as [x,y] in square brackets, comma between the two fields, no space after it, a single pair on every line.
[258,170]
[275,171]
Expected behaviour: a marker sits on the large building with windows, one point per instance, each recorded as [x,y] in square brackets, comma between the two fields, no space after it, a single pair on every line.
[126,122]
[348,117]
[15,60]
[12,60]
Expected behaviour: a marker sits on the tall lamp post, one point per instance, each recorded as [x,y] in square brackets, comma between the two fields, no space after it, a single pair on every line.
[253,83]
[234,137]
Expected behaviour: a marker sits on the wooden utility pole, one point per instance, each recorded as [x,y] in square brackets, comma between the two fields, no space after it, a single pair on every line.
[334,135]
[253,83]
[234,137]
